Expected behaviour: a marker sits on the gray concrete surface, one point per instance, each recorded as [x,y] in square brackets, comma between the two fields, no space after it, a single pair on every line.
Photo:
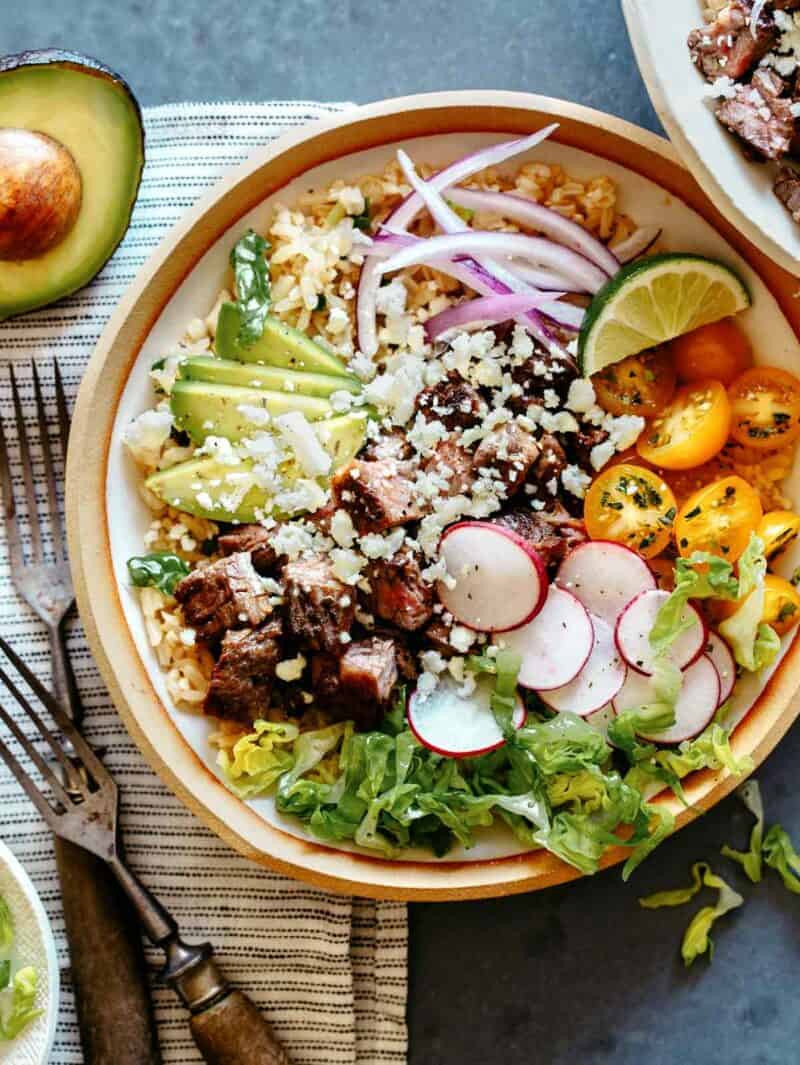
[575,974]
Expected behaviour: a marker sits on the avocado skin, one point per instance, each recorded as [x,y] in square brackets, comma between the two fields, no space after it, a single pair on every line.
[92,68]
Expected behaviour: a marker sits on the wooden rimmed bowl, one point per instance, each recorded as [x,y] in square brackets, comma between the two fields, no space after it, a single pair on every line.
[107,517]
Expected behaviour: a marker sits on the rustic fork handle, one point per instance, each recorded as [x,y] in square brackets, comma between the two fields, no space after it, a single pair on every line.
[115,1016]
[233,1031]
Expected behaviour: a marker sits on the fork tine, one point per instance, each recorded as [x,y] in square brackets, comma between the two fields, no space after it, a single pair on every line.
[31,751]
[56,529]
[90,760]
[63,410]
[27,473]
[55,746]
[36,797]
[9,508]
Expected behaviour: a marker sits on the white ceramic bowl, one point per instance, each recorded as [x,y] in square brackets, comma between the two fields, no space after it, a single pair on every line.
[740,189]
[107,517]
[33,945]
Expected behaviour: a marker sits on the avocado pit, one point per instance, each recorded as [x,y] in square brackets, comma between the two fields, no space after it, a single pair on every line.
[40,193]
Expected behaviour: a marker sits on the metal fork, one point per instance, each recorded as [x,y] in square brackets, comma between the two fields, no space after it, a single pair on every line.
[227,1027]
[45,585]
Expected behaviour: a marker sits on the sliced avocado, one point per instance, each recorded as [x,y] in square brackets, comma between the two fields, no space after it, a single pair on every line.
[204,409]
[249,375]
[89,115]
[279,345]
[181,485]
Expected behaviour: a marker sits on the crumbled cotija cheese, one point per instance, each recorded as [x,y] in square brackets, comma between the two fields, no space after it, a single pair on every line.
[290,668]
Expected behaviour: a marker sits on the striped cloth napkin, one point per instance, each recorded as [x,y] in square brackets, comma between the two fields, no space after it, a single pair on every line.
[329,971]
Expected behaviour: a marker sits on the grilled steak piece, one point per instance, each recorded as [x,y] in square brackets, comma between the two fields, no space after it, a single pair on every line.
[553,533]
[761,118]
[377,495]
[511,452]
[255,539]
[399,593]
[787,189]
[452,401]
[228,594]
[551,463]
[726,47]
[241,683]
[319,607]
[540,372]
[358,684]
[393,445]
[437,635]
[453,464]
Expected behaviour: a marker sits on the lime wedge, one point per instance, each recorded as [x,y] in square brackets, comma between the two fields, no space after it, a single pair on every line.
[653,300]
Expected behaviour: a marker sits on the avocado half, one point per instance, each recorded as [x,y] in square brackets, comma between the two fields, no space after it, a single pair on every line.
[71,159]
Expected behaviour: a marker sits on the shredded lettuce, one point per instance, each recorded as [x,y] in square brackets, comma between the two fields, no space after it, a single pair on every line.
[701,576]
[750,860]
[754,644]
[710,750]
[780,855]
[651,717]
[22,1011]
[6,926]
[257,760]
[697,939]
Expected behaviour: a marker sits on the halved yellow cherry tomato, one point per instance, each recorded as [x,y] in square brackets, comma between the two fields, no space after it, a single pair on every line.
[641,384]
[777,529]
[765,408]
[690,430]
[781,604]
[630,505]
[719,350]
[718,518]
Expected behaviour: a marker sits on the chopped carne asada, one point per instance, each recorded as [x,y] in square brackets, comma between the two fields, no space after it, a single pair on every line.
[510,452]
[753,72]
[553,533]
[453,402]
[255,539]
[399,594]
[787,189]
[228,594]
[320,609]
[377,495]
[241,683]
[727,47]
[358,683]
[453,465]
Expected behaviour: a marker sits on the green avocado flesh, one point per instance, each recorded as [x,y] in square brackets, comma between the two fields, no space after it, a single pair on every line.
[278,345]
[220,500]
[203,408]
[274,378]
[92,113]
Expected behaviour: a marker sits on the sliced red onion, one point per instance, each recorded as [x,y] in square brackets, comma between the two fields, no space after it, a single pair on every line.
[583,275]
[544,219]
[488,310]
[539,277]
[566,315]
[755,15]
[637,243]
[369,280]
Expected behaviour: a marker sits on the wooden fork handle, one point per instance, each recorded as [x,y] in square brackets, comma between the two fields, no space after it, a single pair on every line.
[233,1031]
[108,972]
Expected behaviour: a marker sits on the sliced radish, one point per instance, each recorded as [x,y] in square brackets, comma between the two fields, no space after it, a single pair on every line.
[605,577]
[556,645]
[696,705]
[500,580]
[601,719]
[724,662]
[455,724]
[599,680]
[633,633]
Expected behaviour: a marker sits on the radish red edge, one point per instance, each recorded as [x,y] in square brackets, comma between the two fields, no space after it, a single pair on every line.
[519,719]
[449,596]
[590,586]
[695,707]
[634,659]
[722,658]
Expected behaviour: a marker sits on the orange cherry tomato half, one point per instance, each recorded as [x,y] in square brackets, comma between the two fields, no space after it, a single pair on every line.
[641,384]
[781,604]
[765,408]
[778,528]
[630,505]
[719,519]
[720,351]
[690,430]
